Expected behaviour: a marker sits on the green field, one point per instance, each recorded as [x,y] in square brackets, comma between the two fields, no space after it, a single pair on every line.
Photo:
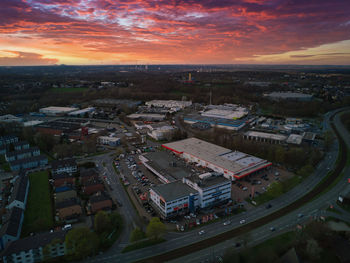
[38,215]
[65,90]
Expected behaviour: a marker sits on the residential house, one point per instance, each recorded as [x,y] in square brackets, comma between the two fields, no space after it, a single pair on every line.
[22,154]
[36,248]
[98,202]
[11,227]
[21,145]
[92,186]
[19,193]
[64,193]
[64,166]
[29,163]
[88,174]
[68,209]
[8,139]
[63,179]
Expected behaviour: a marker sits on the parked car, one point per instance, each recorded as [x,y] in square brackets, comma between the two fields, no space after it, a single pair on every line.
[242,221]
[227,223]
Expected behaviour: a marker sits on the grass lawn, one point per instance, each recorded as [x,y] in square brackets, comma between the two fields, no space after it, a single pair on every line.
[142,244]
[65,90]
[38,215]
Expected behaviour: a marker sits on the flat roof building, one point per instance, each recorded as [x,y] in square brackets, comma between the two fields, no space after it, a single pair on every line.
[169,103]
[82,112]
[229,124]
[233,164]
[226,111]
[289,96]
[57,111]
[265,137]
[295,139]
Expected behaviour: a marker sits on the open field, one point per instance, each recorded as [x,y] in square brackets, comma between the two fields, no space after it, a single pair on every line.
[38,214]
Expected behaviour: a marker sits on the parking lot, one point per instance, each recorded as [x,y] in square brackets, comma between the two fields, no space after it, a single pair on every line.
[257,184]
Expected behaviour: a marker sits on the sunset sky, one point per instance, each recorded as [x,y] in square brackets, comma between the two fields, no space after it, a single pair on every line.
[82,32]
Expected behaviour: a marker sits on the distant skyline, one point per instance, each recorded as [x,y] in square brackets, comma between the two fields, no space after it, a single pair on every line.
[98,32]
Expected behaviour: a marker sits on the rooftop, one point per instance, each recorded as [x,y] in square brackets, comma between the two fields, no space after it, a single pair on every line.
[19,189]
[212,180]
[295,139]
[12,222]
[29,150]
[67,203]
[33,242]
[58,164]
[58,109]
[286,95]
[28,160]
[237,162]
[173,191]
[266,135]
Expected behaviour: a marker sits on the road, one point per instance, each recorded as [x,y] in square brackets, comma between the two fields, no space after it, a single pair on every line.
[177,240]
[131,218]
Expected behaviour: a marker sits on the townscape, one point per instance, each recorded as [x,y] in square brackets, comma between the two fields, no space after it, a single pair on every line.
[125,175]
[162,131]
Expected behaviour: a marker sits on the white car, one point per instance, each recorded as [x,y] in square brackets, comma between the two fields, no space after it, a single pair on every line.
[227,223]
[242,221]
[201,232]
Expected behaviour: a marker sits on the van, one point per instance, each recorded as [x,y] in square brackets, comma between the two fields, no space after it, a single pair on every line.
[67,227]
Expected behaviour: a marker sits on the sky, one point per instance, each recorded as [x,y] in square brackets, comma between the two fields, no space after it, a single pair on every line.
[85,32]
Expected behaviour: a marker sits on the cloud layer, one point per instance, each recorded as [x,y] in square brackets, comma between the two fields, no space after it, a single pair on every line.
[170,31]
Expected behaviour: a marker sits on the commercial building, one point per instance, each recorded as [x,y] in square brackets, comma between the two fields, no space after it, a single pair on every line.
[32,249]
[233,164]
[57,111]
[226,111]
[64,166]
[212,188]
[229,124]
[107,140]
[265,137]
[82,112]
[173,199]
[289,96]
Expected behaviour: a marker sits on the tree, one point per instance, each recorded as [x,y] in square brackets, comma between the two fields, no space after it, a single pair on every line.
[306,170]
[137,234]
[313,249]
[102,222]
[155,228]
[328,139]
[81,242]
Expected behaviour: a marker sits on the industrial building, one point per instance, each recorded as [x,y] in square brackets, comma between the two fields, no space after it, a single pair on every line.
[57,111]
[295,96]
[9,118]
[82,112]
[58,127]
[229,124]
[147,116]
[265,137]
[233,164]
[226,111]
[295,139]
[173,105]
[166,168]
[107,140]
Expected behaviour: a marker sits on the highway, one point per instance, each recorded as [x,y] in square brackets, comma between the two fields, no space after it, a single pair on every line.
[284,223]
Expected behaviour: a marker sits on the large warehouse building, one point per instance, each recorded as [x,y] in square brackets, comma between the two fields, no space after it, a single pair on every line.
[233,164]
[57,111]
